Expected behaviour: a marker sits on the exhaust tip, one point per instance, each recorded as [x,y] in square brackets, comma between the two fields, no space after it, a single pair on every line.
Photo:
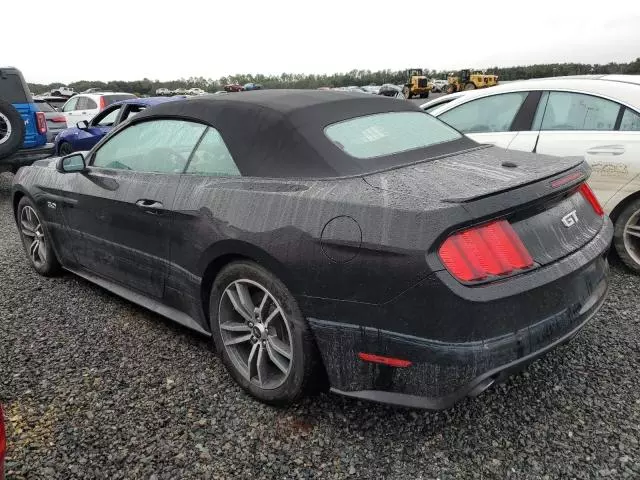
[482,386]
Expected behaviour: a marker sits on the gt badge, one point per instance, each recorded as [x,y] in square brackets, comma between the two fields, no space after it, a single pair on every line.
[570,219]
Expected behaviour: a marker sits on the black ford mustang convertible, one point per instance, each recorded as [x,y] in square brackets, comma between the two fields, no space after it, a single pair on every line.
[328,236]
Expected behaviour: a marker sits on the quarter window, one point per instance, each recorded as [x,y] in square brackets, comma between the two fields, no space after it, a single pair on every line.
[106,119]
[212,157]
[577,111]
[83,103]
[630,121]
[161,146]
[489,114]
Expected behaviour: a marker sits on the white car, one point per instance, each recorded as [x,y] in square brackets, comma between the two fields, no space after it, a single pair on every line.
[196,91]
[86,106]
[63,92]
[163,91]
[594,116]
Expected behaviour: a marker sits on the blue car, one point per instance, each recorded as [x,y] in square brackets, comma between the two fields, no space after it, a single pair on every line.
[23,128]
[86,134]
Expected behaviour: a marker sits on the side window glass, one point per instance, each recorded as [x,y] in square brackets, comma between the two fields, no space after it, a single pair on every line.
[91,105]
[542,105]
[489,114]
[630,121]
[82,103]
[106,120]
[212,157]
[576,111]
[161,146]
[70,105]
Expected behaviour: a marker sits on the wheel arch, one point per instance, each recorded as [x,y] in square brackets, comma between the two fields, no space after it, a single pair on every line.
[619,208]
[17,196]
[222,253]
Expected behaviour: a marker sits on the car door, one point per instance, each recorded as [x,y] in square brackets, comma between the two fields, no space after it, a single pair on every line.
[69,111]
[503,120]
[119,209]
[602,131]
[201,209]
[86,109]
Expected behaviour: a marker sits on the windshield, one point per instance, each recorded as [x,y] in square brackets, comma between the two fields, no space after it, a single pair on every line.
[389,133]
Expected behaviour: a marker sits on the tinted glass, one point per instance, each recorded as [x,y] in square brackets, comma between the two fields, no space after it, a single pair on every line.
[56,103]
[83,104]
[161,146]
[388,133]
[91,105]
[12,89]
[212,157]
[109,99]
[488,114]
[44,106]
[576,111]
[108,119]
[630,121]
[70,105]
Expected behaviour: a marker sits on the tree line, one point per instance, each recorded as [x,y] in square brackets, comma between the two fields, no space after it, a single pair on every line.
[147,86]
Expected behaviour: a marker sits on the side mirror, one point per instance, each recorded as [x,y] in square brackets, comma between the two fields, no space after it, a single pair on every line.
[82,125]
[71,163]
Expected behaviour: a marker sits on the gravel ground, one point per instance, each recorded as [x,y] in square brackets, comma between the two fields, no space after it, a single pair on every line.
[95,387]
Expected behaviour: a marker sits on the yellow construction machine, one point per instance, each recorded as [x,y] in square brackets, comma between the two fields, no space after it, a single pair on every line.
[466,80]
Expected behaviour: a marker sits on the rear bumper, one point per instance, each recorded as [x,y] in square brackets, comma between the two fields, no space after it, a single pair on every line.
[26,157]
[444,370]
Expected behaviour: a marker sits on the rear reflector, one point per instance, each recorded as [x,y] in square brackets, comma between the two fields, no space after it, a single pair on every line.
[485,252]
[590,197]
[390,361]
[58,119]
[102,103]
[41,122]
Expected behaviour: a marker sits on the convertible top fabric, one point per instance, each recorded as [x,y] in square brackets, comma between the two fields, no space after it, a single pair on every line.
[280,133]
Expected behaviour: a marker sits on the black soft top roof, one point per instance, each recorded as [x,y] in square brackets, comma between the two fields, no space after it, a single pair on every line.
[280,133]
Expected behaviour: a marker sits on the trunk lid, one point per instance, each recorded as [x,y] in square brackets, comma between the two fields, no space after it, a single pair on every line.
[537,194]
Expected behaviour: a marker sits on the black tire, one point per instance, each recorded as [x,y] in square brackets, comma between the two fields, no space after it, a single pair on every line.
[65,149]
[451,88]
[425,95]
[49,265]
[11,129]
[470,86]
[626,250]
[304,362]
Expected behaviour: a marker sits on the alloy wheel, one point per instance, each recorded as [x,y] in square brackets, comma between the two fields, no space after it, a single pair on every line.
[631,236]
[5,128]
[256,333]
[33,236]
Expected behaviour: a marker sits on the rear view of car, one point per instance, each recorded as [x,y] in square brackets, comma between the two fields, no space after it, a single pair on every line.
[56,121]
[23,128]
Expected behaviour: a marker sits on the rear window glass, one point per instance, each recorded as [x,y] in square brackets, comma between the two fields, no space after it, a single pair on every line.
[389,133]
[44,106]
[109,99]
[12,89]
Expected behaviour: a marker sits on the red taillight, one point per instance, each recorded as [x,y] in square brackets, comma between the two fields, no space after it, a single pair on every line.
[390,361]
[58,119]
[41,122]
[3,444]
[480,253]
[102,103]
[590,197]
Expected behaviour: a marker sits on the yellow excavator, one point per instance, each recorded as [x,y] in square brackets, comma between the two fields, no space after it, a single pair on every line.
[417,84]
[465,80]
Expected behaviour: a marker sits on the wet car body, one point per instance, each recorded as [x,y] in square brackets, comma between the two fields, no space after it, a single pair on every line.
[358,243]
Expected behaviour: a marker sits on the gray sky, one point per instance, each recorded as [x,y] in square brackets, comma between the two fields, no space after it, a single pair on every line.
[128,40]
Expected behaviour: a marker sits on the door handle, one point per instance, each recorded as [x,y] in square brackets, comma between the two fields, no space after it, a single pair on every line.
[607,150]
[150,206]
